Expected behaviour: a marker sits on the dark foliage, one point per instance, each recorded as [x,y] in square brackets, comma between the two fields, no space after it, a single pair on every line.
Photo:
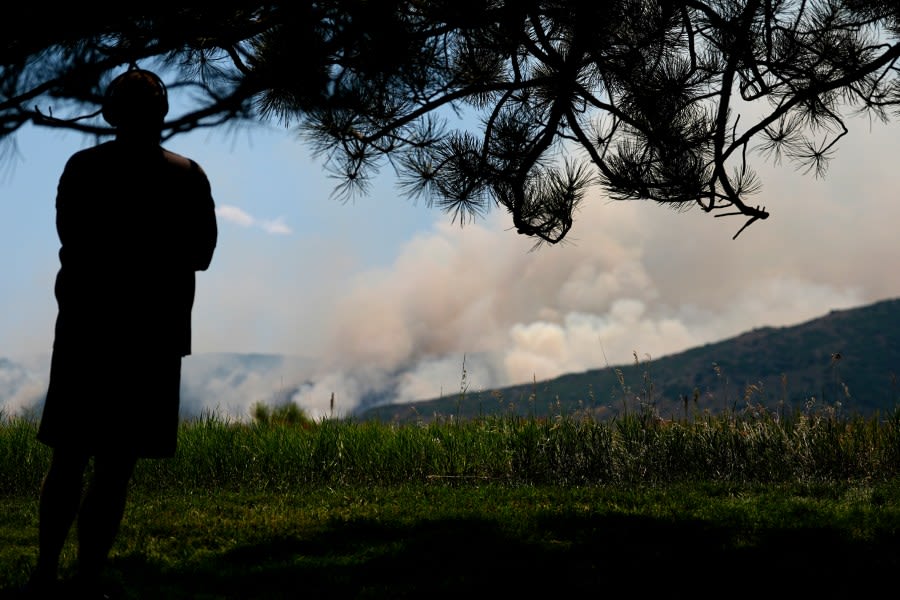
[521,104]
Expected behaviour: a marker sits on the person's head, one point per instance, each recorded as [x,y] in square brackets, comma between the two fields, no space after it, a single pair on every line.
[136,102]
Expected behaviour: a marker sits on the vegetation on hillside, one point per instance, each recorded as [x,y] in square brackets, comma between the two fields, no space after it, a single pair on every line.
[847,360]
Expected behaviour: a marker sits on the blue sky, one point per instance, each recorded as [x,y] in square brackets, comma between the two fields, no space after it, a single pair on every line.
[381,286]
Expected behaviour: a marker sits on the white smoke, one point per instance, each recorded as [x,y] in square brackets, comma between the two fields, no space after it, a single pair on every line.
[22,384]
[536,315]
[476,307]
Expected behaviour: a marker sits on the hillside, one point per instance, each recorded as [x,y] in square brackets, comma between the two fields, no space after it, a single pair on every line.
[847,359]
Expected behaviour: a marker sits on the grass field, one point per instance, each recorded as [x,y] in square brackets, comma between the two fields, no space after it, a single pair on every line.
[733,506]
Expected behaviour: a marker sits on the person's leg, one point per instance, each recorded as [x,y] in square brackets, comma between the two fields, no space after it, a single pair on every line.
[101,512]
[60,497]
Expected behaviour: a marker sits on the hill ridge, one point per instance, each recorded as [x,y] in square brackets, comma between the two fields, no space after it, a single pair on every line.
[846,359]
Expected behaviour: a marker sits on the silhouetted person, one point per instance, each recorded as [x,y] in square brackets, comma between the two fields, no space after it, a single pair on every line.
[135,223]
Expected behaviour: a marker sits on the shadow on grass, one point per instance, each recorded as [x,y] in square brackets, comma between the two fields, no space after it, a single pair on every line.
[560,558]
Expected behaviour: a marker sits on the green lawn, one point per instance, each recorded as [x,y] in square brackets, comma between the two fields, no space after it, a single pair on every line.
[455,538]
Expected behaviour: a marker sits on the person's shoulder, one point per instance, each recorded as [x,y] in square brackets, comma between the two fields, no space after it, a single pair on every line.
[93,152]
[182,162]
[95,155]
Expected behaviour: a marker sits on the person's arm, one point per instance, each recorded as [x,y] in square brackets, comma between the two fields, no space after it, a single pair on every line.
[68,213]
[204,234]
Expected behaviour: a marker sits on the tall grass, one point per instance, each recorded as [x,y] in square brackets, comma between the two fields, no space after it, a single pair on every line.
[23,461]
[277,455]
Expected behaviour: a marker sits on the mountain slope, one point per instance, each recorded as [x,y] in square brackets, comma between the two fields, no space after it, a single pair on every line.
[847,359]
